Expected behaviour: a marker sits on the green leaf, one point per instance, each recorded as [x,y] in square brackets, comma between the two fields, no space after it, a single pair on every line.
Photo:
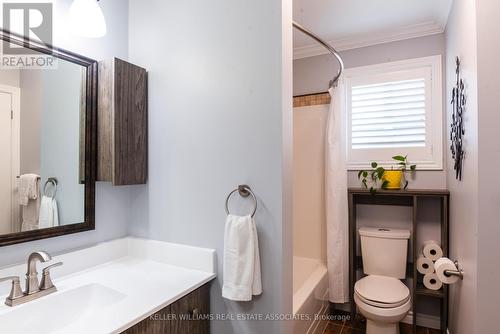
[359,174]
[380,172]
[365,173]
[406,185]
[399,158]
[413,168]
[384,185]
[374,164]
[372,190]
[364,183]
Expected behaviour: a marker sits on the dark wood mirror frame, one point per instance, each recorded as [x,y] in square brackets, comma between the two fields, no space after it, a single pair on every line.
[90,163]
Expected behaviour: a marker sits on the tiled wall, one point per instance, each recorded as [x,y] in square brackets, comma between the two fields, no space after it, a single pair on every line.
[311,100]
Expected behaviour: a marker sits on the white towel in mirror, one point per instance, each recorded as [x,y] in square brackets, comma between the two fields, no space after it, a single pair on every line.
[28,188]
[30,215]
[29,198]
[49,215]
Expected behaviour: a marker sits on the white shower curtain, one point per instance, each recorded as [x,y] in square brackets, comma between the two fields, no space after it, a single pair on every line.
[336,199]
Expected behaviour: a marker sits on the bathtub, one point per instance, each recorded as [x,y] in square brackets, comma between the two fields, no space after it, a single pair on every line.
[310,296]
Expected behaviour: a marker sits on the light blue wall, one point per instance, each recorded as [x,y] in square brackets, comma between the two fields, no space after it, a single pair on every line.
[112,203]
[215,121]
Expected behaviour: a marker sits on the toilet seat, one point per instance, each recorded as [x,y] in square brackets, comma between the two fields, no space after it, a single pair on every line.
[379,304]
[381,291]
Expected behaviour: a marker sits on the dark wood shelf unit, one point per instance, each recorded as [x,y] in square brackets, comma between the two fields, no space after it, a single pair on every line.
[409,198]
[423,291]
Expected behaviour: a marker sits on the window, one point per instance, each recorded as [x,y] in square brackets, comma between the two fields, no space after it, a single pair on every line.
[392,109]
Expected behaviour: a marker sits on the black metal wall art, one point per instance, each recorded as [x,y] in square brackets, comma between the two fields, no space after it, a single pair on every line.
[457,132]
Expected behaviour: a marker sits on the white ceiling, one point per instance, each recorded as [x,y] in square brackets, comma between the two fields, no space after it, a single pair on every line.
[349,24]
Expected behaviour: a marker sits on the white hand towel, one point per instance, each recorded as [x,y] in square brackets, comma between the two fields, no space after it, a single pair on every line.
[49,216]
[28,188]
[241,259]
[30,215]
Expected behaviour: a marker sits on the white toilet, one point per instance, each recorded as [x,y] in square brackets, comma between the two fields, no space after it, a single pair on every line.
[381,296]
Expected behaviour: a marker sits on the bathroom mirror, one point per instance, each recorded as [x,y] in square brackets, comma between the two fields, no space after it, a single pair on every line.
[47,139]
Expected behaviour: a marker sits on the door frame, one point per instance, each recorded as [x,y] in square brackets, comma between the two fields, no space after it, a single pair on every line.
[15,101]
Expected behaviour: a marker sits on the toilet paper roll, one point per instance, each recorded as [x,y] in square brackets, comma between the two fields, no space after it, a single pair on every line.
[432,250]
[425,265]
[443,264]
[432,282]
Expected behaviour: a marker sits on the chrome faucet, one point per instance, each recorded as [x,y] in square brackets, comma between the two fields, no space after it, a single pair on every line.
[34,288]
[32,285]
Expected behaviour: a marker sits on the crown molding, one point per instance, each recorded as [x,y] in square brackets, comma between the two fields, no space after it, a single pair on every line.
[411,31]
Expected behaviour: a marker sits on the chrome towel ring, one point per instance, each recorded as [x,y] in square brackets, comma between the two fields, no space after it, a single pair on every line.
[244,191]
[54,182]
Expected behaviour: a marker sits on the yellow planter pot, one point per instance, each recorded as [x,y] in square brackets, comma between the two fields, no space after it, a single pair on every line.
[393,177]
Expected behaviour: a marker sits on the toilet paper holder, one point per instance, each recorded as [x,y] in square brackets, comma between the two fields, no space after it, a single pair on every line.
[459,272]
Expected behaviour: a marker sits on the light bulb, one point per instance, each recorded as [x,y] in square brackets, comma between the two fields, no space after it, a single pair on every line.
[86,19]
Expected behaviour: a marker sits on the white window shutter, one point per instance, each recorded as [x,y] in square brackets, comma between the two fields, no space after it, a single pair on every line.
[389,114]
[392,109]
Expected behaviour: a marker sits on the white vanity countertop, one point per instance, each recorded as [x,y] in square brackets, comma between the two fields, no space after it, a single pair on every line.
[109,287]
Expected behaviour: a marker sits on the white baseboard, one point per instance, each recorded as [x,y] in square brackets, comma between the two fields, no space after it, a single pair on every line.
[424,320]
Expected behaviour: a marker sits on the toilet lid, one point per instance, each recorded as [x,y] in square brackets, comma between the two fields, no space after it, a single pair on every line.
[380,305]
[382,290]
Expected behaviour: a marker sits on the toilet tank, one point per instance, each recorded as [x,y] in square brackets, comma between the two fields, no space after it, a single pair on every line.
[384,251]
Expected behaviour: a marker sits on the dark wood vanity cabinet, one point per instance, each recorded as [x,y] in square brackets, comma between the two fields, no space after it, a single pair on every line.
[122,123]
[188,315]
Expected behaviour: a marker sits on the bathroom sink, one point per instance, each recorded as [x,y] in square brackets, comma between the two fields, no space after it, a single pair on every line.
[54,313]
[109,287]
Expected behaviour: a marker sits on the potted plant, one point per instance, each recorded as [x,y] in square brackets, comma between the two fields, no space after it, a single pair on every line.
[388,178]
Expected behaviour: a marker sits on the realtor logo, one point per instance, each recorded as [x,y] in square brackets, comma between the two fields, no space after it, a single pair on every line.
[33,22]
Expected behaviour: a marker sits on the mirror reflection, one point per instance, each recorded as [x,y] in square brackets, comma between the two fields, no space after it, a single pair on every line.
[41,140]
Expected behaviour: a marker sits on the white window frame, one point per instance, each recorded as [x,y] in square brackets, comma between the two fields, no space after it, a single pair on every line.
[428,158]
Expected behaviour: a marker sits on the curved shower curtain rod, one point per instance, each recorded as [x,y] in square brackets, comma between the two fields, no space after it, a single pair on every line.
[330,48]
